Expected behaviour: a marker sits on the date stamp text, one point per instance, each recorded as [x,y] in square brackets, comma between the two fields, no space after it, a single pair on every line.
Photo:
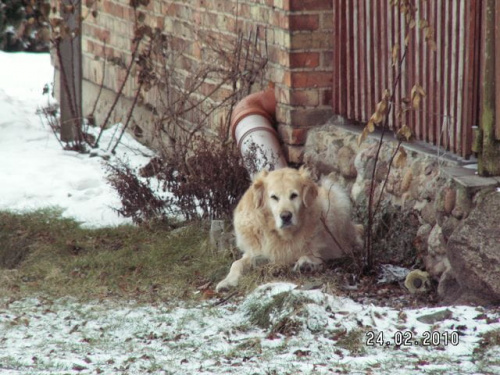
[409,338]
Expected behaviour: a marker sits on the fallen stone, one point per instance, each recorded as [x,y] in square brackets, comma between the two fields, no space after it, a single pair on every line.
[473,251]
[438,316]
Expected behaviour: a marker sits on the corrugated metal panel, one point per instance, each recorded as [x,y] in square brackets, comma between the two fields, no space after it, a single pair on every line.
[365,32]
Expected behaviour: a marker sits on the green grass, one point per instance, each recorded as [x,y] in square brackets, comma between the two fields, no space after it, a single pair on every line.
[43,253]
[40,252]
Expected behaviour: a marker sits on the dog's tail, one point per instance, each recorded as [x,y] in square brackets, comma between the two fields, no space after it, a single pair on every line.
[337,196]
[339,210]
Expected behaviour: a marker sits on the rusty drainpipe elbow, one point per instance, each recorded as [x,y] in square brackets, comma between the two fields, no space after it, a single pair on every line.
[252,128]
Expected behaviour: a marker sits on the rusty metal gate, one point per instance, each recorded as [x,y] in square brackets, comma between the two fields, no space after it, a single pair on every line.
[365,32]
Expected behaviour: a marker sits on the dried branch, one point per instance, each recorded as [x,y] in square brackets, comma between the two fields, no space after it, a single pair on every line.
[118,94]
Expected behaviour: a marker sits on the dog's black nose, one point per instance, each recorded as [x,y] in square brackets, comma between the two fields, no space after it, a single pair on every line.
[286,217]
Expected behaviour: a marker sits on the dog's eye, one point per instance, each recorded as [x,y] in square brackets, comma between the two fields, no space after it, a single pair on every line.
[293,196]
[275,197]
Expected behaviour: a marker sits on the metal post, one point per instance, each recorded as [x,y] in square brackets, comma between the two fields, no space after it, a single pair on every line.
[71,72]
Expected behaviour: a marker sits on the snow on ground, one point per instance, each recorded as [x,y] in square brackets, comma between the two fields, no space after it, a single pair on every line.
[34,171]
[309,333]
[278,329]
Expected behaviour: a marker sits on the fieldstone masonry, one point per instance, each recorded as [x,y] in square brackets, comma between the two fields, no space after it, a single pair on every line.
[457,240]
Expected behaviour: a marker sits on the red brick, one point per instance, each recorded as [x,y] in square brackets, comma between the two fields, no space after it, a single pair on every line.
[244,11]
[307,98]
[287,79]
[114,9]
[101,34]
[311,40]
[278,56]
[281,20]
[297,5]
[283,94]
[283,114]
[311,79]
[306,117]
[304,59]
[327,59]
[327,21]
[300,22]
[197,49]
[292,136]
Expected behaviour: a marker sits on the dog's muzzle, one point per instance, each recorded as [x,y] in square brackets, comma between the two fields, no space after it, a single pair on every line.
[286,219]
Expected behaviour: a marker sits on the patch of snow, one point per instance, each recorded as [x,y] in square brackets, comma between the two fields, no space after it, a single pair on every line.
[390,273]
[472,166]
[35,171]
[330,334]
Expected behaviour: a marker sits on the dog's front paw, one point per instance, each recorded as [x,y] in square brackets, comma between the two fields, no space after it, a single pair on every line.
[307,263]
[225,285]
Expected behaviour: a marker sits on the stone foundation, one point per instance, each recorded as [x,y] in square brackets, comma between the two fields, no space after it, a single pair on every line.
[438,193]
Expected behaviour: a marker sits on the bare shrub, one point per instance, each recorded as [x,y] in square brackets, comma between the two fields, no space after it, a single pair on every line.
[139,202]
[381,115]
[394,232]
[207,184]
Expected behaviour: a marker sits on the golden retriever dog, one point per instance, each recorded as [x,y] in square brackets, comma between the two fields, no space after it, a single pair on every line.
[289,219]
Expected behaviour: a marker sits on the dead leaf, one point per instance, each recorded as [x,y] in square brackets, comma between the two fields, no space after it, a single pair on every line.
[422,23]
[429,32]
[421,91]
[400,159]
[404,133]
[302,353]
[382,107]
[432,44]
[376,118]
[362,136]
[208,294]
[417,93]
[79,368]
[205,286]
[370,126]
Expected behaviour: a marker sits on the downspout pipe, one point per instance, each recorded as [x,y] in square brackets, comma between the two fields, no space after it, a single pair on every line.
[252,128]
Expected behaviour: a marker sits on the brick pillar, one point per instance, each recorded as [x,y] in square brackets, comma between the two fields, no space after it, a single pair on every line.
[305,91]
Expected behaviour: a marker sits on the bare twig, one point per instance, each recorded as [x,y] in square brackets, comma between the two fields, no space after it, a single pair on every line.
[371,213]
[119,93]
[101,86]
[387,177]
[225,299]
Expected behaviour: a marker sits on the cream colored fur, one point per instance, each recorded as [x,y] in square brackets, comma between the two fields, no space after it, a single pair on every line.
[282,217]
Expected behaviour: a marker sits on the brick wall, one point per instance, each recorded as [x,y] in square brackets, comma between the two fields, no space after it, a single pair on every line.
[297,34]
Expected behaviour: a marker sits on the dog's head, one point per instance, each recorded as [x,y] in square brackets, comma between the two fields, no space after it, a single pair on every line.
[286,193]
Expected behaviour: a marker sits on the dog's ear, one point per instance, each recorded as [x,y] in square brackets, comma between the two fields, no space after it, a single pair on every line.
[309,193]
[259,189]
